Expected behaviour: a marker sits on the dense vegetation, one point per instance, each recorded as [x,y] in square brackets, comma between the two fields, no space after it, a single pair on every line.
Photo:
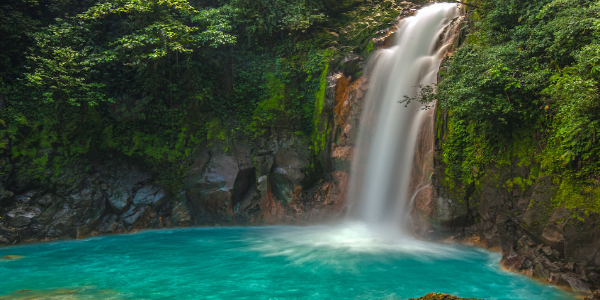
[525,84]
[154,79]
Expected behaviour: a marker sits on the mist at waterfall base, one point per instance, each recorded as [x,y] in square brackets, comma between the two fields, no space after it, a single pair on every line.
[369,256]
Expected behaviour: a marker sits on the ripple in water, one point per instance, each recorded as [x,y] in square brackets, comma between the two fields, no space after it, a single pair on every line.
[318,262]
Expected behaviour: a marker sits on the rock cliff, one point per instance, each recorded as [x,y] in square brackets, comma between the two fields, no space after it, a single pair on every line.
[271,173]
[271,179]
[513,211]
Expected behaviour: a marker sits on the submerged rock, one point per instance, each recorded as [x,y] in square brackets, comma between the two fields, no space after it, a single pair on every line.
[27,294]
[12,257]
[439,296]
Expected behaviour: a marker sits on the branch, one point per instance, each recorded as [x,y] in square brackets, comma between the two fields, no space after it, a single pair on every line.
[467,4]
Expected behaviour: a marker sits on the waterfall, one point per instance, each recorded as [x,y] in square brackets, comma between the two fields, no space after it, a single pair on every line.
[380,191]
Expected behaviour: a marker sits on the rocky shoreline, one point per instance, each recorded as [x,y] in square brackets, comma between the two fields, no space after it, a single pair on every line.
[550,245]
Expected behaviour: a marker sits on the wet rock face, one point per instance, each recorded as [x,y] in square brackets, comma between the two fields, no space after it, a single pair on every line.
[535,237]
[267,182]
[264,184]
[211,194]
[118,199]
[114,197]
[267,186]
[287,175]
[276,178]
[23,216]
[150,195]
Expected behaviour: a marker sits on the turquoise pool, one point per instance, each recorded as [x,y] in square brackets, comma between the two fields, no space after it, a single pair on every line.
[318,262]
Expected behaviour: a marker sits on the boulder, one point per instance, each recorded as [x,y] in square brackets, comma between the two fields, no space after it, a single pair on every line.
[64,221]
[512,261]
[573,281]
[45,200]
[150,195]
[265,163]
[25,198]
[291,163]
[118,199]
[594,278]
[7,235]
[133,216]
[23,216]
[211,193]
[108,224]
[81,198]
[181,215]
[242,154]
[94,214]
[438,296]
[537,215]
[249,202]
[540,271]
[553,231]
[12,257]
[582,240]
[287,175]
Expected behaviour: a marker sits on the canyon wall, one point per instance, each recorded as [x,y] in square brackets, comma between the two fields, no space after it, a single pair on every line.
[271,169]
[262,181]
[521,220]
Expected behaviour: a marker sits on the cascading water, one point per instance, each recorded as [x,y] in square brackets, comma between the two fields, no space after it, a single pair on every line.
[380,188]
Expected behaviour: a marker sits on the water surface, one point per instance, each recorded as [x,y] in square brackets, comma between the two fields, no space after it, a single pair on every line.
[318,262]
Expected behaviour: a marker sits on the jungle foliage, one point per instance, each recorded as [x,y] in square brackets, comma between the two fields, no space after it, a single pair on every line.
[153,79]
[526,83]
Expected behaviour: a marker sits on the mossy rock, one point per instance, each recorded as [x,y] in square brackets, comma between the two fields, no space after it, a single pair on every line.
[439,296]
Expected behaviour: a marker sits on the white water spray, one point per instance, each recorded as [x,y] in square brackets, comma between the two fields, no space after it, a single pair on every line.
[379,190]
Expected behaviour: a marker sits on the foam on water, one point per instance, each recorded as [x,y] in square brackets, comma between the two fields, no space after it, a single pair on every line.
[351,237]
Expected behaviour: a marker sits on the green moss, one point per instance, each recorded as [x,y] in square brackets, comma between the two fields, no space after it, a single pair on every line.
[272,109]
[215,132]
[369,48]
[319,124]
[522,183]
[276,94]
[581,198]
